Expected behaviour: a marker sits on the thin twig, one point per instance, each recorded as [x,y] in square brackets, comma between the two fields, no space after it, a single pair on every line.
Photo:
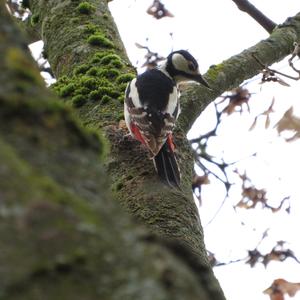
[266,68]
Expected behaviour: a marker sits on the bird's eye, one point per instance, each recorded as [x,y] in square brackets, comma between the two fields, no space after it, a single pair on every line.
[192,67]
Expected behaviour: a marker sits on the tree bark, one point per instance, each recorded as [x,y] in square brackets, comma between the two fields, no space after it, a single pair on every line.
[62,236]
[168,212]
[257,15]
[82,45]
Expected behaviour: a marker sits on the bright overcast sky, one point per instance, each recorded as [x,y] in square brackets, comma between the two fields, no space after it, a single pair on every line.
[213,31]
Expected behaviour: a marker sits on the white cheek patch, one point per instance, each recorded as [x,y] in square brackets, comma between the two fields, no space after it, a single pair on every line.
[179,62]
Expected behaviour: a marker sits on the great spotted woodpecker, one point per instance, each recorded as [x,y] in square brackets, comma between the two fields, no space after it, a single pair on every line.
[151,109]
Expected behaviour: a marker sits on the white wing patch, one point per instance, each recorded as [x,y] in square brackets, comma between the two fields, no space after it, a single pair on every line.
[134,95]
[173,101]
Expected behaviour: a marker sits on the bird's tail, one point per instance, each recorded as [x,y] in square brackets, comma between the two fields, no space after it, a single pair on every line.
[166,166]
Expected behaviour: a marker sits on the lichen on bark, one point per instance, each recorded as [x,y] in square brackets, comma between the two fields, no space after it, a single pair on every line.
[62,236]
[170,213]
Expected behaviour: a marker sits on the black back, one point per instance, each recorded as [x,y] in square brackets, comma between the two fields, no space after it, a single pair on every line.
[154,87]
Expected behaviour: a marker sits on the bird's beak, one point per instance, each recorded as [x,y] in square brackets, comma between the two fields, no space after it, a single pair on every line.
[201,80]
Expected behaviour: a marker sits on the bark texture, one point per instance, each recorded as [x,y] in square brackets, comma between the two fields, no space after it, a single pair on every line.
[168,212]
[62,235]
[56,211]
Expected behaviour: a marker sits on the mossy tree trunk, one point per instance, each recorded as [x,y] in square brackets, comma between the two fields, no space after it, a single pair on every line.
[88,58]
[52,165]
[62,235]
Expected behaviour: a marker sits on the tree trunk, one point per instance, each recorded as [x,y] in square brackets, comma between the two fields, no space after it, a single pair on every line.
[62,236]
[53,164]
[67,34]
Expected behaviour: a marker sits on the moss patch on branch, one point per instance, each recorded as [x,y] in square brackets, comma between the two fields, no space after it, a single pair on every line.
[34,19]
[214,71]
[85,8]
[99,40]
[100,81]
[96,36]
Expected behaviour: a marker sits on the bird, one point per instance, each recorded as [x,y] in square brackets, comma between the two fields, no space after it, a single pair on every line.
[151,108]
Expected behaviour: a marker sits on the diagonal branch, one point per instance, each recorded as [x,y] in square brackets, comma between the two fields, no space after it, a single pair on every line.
[257,15]
[233,71]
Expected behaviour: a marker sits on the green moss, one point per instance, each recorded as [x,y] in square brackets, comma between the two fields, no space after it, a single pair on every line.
[88,82]
[105,99]
[85,8]
[102,92]
[21,66]
[100,40]
[105,16]
[67,90]
[122,87]
[99,55]
[82,69]
[95,60]
[78,100]
[105,60]
[64,79]
[214,71]
[121,99]
[34,19]
[104,82]
[109,73]
[117,63]
[93,71]
[124,78]
[109,91]
[82,90]
[95,95]
[91,29]
[112,60]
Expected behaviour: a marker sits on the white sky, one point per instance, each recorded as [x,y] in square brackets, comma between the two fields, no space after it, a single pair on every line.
[213,31]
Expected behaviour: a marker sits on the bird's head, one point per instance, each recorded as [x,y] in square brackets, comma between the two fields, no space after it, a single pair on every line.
[182,66]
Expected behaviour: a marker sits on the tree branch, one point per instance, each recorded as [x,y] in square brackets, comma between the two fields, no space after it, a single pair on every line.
[232,72]
[257,15]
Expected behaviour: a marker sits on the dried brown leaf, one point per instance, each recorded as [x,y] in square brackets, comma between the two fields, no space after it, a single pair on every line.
[280,287]
[282,82]
[158,10]
[289,122]
[237,98]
